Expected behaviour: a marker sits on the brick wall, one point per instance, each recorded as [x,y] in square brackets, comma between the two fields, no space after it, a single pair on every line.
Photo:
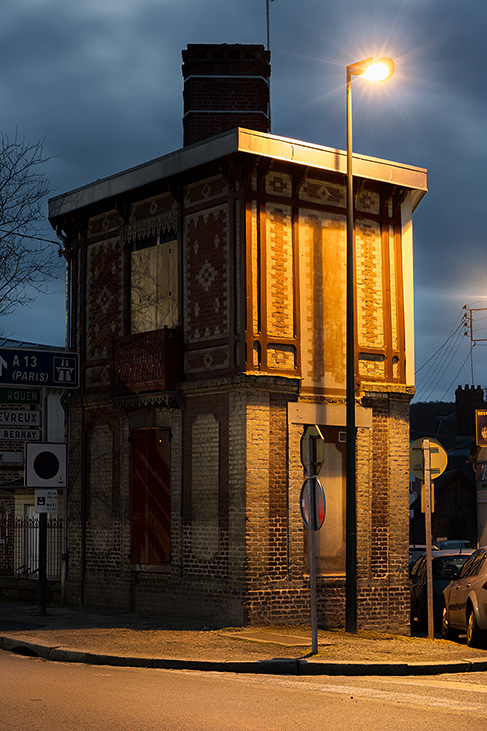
[225,86]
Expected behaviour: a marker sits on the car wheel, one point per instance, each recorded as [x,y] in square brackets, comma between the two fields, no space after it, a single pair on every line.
[447,632]
[475,636]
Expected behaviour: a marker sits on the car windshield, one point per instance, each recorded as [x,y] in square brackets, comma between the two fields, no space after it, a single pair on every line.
[453,564]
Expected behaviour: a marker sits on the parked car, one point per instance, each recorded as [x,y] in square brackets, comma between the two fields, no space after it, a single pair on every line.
[445,565]
[415,551]
[448,544]
[465,602]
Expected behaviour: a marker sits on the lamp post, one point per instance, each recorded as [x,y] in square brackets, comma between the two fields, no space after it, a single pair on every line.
[373,71]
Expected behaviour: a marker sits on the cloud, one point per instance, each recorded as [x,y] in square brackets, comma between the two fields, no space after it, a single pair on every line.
[101,81]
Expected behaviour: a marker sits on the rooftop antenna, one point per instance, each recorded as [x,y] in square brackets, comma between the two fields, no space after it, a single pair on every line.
[268,24]
[268,48]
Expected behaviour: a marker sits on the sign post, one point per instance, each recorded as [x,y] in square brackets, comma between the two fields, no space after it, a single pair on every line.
[312,458]
[428,457]
[44,467]
[46,502]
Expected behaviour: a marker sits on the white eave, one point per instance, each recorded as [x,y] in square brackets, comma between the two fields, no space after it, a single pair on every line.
[246,141]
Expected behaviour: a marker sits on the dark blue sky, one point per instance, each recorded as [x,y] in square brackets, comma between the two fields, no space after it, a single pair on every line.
[100,81]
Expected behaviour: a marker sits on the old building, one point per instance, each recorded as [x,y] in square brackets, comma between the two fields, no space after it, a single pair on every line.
[208,291]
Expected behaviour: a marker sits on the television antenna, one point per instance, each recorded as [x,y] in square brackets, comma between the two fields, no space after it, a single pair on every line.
[267,14]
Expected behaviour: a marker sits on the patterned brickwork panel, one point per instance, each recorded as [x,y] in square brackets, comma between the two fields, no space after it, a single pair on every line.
[370,290]
[202,361]
[368,201]
[103,224]
[153,207]
[255,260]
[393,287]
[104,297]
[279,184]
[206,275]
[322,241]
[279,271]
[101,481]
[319,191]
[205,190]
[205,457]
[282,357]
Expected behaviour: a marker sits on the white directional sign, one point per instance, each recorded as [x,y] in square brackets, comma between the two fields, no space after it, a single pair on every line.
[11,457]
[20,418]
[19,435]
[55,368]
[46,501]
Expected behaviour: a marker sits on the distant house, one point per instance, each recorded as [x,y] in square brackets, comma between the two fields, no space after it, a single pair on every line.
[27,414]
[209,313]
[455,493]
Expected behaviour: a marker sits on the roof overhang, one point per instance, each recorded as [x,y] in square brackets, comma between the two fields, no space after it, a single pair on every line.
[247,141]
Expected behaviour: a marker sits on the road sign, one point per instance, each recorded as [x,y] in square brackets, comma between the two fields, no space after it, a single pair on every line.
[312,450]
[39,368]
[438,458]
[20,395]
[19,435]
[11,457]
[313,514]
[46,501]
[20,418]
[45,465]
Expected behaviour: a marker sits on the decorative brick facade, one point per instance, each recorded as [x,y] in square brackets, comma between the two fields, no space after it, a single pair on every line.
[261,322]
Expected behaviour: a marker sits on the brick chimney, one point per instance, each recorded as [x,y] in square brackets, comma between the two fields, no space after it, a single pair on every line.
[467,400]
[225,86]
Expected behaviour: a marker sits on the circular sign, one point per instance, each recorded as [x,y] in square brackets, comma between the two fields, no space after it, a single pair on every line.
[46,465]
[313,513]
[438,458]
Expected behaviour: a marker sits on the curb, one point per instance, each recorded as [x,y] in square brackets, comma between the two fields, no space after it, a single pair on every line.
[267,667]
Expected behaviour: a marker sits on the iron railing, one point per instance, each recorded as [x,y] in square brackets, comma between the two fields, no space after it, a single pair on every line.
[19,547]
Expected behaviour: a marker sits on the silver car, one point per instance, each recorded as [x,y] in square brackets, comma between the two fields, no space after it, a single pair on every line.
[465,602]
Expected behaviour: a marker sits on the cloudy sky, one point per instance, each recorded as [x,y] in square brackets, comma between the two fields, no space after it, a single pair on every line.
[100,82]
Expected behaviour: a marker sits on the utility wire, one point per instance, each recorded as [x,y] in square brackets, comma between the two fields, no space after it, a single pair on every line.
[436,352]
[440,376]
[438,368]
[460,370]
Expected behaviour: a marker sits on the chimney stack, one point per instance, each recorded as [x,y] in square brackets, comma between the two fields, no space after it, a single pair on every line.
[225,86]
[467,401]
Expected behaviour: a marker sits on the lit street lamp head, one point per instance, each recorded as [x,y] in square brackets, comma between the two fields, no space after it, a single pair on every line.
[372,70]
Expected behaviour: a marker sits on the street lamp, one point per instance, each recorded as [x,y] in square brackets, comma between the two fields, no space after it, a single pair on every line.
[371,70]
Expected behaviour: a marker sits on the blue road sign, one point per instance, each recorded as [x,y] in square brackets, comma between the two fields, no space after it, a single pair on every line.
[55,368]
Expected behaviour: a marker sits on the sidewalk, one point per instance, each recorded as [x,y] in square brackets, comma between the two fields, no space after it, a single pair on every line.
[140,640]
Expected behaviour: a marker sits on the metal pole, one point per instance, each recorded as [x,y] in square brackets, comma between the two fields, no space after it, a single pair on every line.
[311,459]
[351,510]
[428,536]
[42,563]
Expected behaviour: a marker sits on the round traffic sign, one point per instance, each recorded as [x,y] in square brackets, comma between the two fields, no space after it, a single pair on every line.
[438,458]
[313,503]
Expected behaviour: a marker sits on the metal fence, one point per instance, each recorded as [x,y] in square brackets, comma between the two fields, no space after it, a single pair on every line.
[19,547]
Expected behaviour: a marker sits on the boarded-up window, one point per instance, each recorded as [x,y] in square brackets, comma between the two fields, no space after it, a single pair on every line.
[151,496]
[154,287]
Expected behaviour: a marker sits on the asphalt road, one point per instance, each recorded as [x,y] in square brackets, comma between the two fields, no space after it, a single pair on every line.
[36,695]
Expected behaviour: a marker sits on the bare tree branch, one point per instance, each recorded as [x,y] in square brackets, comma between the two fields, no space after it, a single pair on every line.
[25,268]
